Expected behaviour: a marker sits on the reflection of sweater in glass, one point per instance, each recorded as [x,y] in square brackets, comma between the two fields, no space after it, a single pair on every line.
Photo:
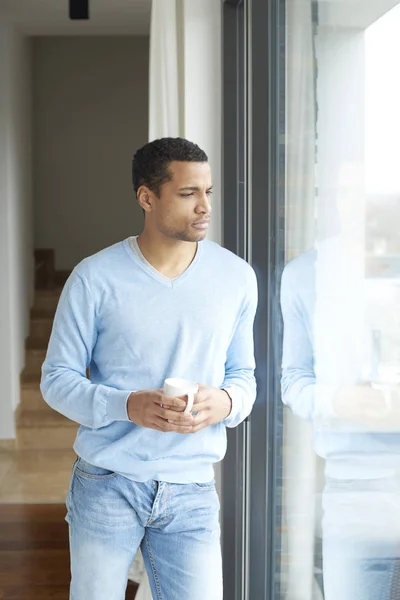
[134,328]
[327,346]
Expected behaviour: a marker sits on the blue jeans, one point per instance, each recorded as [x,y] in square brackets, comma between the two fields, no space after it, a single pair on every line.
[361,539]
[176,526]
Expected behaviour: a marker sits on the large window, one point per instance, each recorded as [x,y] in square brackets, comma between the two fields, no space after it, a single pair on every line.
[312,199]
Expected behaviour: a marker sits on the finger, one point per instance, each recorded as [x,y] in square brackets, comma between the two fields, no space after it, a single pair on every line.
[172,403]
[200,396]
[183,429]
[179,428]
[166,427]
[200,422]
[200,426]
[176,417]
[181,423]
[202,405]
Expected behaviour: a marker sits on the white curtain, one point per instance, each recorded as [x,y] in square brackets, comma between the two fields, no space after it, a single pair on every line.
[166,117]
[303,472]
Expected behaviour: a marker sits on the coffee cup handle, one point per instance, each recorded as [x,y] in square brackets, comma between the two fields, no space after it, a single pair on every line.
[190,402]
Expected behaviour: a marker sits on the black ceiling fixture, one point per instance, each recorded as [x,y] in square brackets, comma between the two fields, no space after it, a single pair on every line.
[79,10]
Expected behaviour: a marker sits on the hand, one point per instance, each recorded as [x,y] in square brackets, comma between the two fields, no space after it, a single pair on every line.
[367,406]
[360,402]
[210,406]
[151,409]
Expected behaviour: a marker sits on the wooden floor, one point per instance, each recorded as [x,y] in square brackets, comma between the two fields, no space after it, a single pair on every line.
[34,557]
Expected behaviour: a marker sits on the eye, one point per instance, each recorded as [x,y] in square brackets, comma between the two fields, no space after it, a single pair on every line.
[209,192]
[186,195]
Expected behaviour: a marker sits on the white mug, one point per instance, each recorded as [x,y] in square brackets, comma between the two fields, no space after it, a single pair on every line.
[175,387]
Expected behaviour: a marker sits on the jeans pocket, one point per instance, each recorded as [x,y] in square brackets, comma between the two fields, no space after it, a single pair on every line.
[205,487]
[88,471]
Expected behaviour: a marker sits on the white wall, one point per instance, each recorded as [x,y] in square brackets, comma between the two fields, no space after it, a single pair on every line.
[90,113]
[341,116]
[16,248]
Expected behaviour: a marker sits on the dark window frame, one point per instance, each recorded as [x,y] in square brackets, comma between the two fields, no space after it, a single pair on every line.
[253,186]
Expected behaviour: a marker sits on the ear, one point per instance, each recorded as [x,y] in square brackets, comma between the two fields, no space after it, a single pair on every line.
[145,198]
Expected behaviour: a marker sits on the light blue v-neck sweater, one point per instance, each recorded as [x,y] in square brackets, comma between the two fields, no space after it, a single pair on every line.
[134,327]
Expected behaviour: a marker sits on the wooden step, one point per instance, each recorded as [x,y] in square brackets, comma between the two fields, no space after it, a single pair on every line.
[44,429]
[40,328]
[46,301]
[44,417]
[33,364]
[36,344]
[31,397]
[45,438]
[30,378]
[43,313]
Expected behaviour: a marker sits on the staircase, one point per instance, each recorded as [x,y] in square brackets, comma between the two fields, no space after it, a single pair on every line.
[38,426]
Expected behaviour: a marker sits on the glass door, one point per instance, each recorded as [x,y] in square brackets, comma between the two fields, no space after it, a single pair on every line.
[315,202]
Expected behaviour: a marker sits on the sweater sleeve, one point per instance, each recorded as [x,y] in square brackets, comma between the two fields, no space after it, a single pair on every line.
[300,391]
[64,384]
[239,382]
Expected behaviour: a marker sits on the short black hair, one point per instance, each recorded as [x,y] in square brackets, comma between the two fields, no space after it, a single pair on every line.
[150,163]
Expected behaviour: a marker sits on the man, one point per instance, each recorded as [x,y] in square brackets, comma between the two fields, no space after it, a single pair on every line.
[330,360]
[164,304]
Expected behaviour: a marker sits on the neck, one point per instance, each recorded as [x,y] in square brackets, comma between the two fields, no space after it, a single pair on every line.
[170,257]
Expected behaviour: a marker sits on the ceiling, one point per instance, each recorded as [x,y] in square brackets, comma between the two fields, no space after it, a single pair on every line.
[50,17]
[357,14]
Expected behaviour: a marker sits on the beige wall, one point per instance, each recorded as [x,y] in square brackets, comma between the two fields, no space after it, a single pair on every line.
[16,248]
[90,112]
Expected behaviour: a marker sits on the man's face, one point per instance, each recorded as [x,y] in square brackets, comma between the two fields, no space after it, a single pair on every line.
[183,209]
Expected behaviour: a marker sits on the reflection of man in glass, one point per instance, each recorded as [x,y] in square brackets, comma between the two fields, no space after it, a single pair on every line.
[339,372]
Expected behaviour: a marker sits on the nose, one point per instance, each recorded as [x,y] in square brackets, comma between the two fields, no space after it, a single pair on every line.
[203,206]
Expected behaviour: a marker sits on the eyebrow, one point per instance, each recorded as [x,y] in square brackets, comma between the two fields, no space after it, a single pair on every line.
[193,188]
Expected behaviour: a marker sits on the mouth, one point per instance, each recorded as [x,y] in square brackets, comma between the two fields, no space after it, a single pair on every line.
[201,225]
